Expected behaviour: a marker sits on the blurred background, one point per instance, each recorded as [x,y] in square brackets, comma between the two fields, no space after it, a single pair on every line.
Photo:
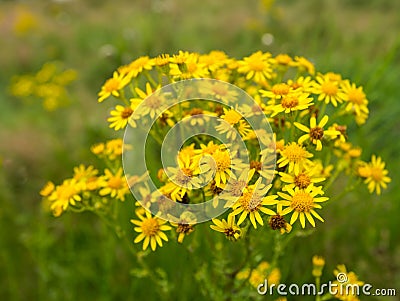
[75,257]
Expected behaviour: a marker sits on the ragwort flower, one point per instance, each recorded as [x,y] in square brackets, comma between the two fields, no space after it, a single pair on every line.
[302,202]
[150,230]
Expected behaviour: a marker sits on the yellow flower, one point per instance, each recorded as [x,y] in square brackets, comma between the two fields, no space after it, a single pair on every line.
[316,132]
[214,60]
[252,201]
[303,84]
[222,162]
[140,64]
[294,101]
[150,230]
[191,68]
[114,185]
[377,175]
[277,91]
[257,66]
[231,230]
[295,156]
[357,102]
[152,104]
[184,177]
[258,275]
[305,178]
[318,264]
[68,193]
[302,203]
[304,65]
[328,90]
[112,86]
[351,280]
[231,123]
[121,115]
[184,226]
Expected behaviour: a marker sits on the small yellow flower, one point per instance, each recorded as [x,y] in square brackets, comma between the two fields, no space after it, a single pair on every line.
[294,101]
[121,115]
[302,203]
[377,175]
[357,102]
[305,178]
[318,264]
[184,226]
[231,230]
[150,230]
[252,201]
[351,280]
[68,193]
[257,66]
[277,91]
[328,89]
[316,132]
[112,86]
[304,65]
[295,156]
[114,185]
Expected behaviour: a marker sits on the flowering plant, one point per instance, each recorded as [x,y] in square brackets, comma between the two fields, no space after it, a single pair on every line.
[302,117]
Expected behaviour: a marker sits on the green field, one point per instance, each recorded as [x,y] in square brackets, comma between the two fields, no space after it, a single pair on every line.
[77,256]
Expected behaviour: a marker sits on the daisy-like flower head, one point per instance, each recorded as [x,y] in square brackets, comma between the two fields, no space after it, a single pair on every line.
[305,178]
[351,280]
[222,162]
[316,131]
[295,156]
[257,66]
[303,84]
[277,91]
[184,226]
[294,101]
[150,230]
[114,185]
[218,90]
[283,59]
[152,104]
[68,193]
[252,201]
[304,65]
[376,175]
[121,115]
[328,89]
[113,85]
[140,64]
[214,60]
[184,177]
[231,230]
[231,123]
[357,102]
[302,202]
[191,68]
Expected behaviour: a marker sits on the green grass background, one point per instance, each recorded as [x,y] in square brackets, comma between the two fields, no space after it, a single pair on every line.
[76,257]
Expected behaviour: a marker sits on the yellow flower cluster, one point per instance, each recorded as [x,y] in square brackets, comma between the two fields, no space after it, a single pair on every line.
[308,111]
[87,189]
[49,85]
